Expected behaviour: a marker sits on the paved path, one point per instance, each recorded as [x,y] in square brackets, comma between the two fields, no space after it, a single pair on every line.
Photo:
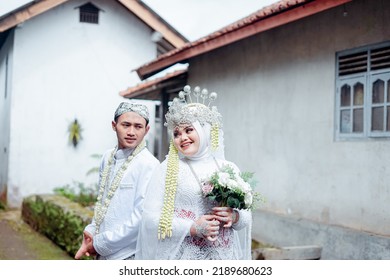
[19,242]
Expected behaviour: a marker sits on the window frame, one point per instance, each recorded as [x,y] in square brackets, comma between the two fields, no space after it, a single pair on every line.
[351,82]
[367,78]
[385,76]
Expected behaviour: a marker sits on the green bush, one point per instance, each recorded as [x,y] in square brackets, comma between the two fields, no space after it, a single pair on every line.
[57,217]
[78,192]
[2,206]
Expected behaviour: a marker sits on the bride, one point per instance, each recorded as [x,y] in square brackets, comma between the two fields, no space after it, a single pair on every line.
[178,222]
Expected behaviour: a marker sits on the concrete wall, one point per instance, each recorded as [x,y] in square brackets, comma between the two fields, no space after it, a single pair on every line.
[62,70]
[277,95]
[337,242]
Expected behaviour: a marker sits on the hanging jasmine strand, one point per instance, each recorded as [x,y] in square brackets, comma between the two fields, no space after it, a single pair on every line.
[165,224]
[100,207]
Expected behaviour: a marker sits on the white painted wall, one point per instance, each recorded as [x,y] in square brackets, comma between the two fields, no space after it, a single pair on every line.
[64,69]
[6,53]
[277,95]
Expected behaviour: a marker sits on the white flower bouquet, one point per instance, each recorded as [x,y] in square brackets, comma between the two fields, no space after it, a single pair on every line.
[230,189]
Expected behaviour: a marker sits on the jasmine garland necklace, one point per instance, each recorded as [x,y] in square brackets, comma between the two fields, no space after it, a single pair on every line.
[101,209]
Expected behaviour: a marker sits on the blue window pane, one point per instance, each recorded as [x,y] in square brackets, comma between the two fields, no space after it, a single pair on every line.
[345,121]
[345,96]
[377,119]
[358,94]
[388,91]
[388,118]
[358,120]
[378,92]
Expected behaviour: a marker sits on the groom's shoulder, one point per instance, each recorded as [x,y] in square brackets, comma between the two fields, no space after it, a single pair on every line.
[146,155]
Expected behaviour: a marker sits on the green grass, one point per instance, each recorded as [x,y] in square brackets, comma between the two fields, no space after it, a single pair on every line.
[42,247]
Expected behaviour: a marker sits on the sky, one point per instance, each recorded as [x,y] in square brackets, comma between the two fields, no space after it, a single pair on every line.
[192,18]
[198,18]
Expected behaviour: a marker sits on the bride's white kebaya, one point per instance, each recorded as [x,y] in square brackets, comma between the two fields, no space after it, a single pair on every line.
[178,222]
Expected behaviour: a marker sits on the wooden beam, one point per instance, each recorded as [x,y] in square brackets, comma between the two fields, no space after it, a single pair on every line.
[27,13]
[238,34]
[151,20]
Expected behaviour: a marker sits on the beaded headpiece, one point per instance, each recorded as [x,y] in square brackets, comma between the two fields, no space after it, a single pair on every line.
[125,107]
[185,109]
[193,106]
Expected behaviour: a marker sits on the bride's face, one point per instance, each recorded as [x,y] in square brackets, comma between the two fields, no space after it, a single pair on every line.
[186,139]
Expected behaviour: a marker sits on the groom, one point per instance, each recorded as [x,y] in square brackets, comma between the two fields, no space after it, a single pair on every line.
[123,178]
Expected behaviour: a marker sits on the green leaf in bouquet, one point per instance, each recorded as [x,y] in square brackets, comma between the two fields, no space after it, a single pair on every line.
[233,202]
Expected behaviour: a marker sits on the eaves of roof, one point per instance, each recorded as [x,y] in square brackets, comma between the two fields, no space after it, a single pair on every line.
[27,12]
[278,14]
[137,7]
[151,89]
[151,18]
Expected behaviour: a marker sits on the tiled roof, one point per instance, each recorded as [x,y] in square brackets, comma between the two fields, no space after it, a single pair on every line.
[259,15]
[141,88]
[137,7]
[252,24]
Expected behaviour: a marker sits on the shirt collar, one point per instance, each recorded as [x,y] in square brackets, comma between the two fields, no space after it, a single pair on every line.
[123,153]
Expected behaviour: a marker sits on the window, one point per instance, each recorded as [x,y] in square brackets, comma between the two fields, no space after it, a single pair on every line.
[89,13]
[363,93]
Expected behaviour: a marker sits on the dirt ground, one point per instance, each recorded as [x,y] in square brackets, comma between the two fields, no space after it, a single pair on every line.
[18,241]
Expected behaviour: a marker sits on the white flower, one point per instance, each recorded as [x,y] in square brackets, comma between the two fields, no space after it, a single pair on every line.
[231,184]
[245,187]
[248,199]
[223,178]
[239,179]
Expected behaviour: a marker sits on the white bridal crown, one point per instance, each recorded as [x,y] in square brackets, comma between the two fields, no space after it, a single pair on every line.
[193,106]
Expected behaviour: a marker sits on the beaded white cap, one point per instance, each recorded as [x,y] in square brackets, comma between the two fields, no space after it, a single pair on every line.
[125,107]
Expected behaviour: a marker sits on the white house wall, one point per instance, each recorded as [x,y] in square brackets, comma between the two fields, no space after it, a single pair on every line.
[62,70]
[277,97]
[5,89]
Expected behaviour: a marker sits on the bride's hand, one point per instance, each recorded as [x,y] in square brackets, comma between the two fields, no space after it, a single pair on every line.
[226,215]
[206,227]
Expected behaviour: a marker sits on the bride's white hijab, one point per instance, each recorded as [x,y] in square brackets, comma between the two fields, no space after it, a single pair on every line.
[204,151]
[204,142]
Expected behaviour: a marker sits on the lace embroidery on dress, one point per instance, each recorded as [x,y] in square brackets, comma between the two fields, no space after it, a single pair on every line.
[198,248]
